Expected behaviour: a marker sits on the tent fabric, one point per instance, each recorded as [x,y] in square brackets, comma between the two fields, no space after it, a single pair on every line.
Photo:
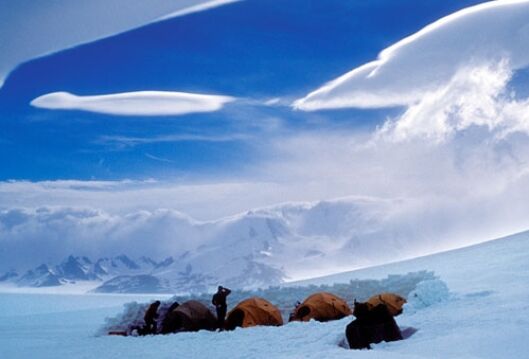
[189,316]
[252,312]
[321,306]
[393,301]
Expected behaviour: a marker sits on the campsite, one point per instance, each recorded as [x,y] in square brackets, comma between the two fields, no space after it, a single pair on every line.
[73,325]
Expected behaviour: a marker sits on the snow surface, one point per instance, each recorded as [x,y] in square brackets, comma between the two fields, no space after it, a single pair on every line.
[485,315]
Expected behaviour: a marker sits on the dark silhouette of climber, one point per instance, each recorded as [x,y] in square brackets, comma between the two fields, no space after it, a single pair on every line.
[150,318]
[292,315]
[372,325]
[219,301]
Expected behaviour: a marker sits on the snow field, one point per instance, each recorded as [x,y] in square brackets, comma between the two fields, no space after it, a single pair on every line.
[485,315]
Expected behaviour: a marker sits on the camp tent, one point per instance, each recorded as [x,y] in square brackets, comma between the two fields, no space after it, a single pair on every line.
[393,301]
[321,306]
[252,312]
[188,317]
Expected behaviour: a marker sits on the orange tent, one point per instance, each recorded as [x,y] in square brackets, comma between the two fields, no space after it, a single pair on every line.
[393,301]
[252,312]
[321,306]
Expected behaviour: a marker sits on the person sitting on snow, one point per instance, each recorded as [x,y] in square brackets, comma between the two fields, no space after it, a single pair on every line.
[372,325]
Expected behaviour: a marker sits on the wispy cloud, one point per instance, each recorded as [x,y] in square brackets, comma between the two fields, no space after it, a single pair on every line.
[129,141]
[198,8]
[141,103]
[426,60]
[160,159]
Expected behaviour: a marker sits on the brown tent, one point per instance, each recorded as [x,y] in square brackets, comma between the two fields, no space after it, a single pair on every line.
[252,312]
[188,317]
[321,306]
[393,301]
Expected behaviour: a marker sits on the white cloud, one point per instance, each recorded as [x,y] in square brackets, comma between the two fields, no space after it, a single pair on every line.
[34,28]
[123,141]
[197,8]
[428,59]
[141,103]
[199,198]
[475,96]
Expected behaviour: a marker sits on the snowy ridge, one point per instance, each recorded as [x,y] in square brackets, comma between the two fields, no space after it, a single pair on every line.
[79,269]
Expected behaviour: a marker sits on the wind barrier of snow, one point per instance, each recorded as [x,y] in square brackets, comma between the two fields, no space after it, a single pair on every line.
[407,285]
[427,293]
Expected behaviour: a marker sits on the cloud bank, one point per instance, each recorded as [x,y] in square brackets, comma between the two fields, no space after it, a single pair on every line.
[428,59]
[141,103]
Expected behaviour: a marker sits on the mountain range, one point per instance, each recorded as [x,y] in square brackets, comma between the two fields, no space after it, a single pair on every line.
[259,248]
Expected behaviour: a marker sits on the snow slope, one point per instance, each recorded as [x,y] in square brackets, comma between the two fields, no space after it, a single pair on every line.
[485,316]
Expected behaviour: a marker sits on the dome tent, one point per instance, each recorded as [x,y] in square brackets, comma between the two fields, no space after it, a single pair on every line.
[321,306]
[190,316]
[392,301]
[252,312]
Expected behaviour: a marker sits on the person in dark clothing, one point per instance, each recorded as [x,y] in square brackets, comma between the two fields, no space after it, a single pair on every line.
[372,325]
[219,301]
[151,314]
[292,315]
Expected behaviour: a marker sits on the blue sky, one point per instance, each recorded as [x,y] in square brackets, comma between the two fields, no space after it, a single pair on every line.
[254,50]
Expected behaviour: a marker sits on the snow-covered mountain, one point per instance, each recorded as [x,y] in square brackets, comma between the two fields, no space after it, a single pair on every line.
[268,246]
[258,248]
[77,269]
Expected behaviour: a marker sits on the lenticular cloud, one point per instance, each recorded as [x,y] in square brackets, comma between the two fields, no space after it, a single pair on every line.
[428,59]
[141,103]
